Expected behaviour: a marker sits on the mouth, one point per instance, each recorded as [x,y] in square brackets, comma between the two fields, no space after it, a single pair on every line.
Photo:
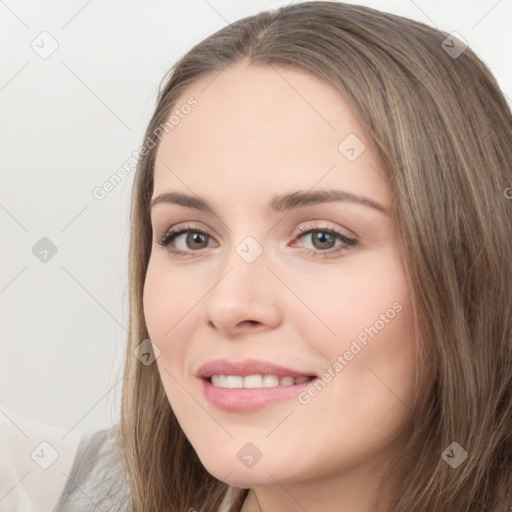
[243,386]
[256,381]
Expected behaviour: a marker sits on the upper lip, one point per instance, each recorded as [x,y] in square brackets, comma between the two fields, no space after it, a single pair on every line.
[246,367]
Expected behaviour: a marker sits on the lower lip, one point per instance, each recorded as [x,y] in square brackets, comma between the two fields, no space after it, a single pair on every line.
[250,399]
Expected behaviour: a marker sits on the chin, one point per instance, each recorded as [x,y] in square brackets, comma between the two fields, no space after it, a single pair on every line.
[241,467]
[242,477]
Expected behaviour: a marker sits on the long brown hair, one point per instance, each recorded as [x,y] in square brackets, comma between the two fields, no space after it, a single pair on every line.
[444,132]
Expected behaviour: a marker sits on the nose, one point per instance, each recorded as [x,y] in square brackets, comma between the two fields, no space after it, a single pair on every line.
[243,298]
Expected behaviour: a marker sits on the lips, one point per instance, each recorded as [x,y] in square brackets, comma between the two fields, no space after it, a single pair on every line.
[224,384]
[247,367]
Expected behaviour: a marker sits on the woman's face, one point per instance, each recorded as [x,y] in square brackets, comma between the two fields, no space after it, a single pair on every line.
[296,295]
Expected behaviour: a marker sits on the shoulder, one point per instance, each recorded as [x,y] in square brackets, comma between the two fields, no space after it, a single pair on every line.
[98,476]
[35,459]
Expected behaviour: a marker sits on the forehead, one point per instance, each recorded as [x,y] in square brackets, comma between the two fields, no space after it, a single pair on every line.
[268,129]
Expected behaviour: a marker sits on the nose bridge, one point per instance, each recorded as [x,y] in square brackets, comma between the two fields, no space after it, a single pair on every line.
[242,271]
[242,291]
[244,247]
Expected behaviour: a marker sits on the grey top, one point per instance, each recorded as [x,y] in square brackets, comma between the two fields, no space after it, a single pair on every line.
[98,480]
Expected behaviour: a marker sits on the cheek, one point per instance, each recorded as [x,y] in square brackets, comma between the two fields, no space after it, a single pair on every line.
[171,306]
[165,306]
[155,305]
[372,353]
[355,302]
[166,301]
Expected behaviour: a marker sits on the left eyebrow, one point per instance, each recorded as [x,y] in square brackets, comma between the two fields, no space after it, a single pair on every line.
[301,199]
[278,203]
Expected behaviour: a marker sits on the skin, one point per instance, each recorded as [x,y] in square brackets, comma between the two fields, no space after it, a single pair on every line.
[257,132]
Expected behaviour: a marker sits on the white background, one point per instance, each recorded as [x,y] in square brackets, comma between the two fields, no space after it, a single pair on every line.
[70,121]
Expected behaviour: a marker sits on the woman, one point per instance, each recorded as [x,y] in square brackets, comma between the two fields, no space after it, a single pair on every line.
[320,276]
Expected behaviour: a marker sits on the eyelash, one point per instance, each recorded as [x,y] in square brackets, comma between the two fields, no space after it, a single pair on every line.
[180,229]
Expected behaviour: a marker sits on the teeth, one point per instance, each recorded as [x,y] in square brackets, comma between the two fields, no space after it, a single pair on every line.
[286,381]
[234,381]
[255,381]
[270,381]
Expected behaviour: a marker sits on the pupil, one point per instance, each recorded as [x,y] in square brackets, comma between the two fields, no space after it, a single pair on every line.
[324,238]
[195,238]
